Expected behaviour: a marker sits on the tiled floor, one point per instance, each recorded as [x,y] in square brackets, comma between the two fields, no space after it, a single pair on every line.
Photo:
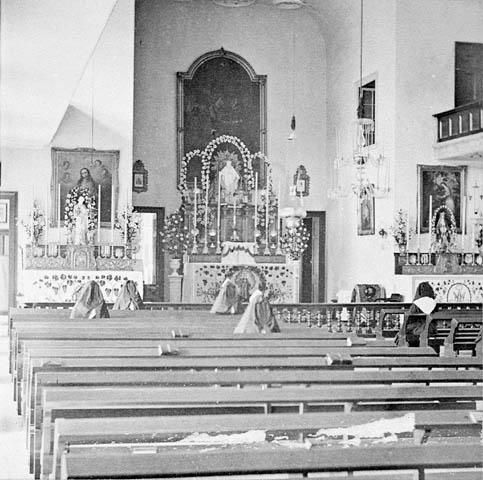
[13,454]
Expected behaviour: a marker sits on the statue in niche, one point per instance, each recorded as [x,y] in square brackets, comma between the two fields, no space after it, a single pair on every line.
[229,179]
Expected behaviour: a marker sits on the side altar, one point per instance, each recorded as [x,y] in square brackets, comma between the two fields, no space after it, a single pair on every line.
[232,222]
[54,273]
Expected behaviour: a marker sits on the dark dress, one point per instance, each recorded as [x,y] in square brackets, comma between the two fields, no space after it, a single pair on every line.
[90,303]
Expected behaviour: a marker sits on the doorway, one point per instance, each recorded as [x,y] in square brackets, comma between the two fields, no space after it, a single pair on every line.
[312,275]
[8,251]
[150,253]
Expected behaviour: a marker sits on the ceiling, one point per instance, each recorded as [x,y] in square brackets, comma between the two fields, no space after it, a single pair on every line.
[45,49]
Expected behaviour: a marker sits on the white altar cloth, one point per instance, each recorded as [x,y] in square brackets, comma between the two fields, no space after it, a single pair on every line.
[59,285]
[202,281]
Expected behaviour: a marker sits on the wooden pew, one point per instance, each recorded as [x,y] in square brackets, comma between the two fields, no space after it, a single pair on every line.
[135,401]
[82,462]
[456,330]
[162,430]
[22,384]
[234,378]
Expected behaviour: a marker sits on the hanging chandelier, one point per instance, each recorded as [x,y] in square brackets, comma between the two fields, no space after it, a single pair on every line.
[362,163]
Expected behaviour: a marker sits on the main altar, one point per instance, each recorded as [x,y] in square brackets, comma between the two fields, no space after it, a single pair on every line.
[232,222]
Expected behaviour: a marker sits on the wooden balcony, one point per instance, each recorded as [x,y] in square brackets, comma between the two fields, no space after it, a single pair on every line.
[460,122]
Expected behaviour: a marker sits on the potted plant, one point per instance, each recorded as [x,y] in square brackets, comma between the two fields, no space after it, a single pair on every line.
[175,239]
[295,241]
[479,237]
[399,231]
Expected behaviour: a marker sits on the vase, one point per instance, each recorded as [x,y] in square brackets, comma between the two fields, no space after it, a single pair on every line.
[174,264]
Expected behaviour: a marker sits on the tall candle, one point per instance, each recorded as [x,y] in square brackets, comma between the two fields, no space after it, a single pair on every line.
[58,212]
[267,204]
[430,229]
[126,216]
[218,213]
[407,230]
[418,220]
[473,243]
[196,203]
[113,207]
[47,209]
[234,211]
[99,215]
[206,215]
[463,224]
[256,208]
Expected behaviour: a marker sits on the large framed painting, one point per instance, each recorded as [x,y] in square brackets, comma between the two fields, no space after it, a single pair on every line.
[96,170]
[445,186]
[365,216]
[220,94]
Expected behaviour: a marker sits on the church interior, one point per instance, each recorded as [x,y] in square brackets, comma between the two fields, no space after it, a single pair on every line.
[241,239]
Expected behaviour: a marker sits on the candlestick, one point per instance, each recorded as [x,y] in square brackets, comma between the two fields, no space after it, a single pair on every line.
[58,213]
[256,209]
[205,248]
[267,204]
[99,215]
[113,207]
[407,233]
[218,219]
[463,224]
[430,224]
[279,226]
[418,220]
[47,209]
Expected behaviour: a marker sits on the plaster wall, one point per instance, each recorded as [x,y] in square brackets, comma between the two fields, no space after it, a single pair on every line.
[426,33]
[353,258]
[171,35]
[103,92]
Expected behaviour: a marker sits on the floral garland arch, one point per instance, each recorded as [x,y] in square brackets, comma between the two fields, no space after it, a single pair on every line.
[207,155]
[71,202]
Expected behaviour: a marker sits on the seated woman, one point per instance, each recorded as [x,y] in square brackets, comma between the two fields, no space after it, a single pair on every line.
[258,316]
[90,302]
[129,298]
[227,300]
[423,304]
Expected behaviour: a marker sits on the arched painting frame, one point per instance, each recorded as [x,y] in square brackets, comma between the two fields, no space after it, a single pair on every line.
[220,94]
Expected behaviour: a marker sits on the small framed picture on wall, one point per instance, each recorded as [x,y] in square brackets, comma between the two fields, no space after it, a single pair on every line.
[365,216]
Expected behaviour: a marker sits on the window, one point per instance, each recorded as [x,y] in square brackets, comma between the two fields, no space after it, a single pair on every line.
[369,109]
[468,73]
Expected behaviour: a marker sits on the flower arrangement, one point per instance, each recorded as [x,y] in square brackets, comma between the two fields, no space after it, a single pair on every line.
[128,222]
[295,241]
[175,235]
[71,202]
[35,224]
[245,168]
[399,229]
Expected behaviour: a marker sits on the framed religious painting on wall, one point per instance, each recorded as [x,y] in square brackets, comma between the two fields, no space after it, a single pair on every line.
[220,94]
[82,168]
[442,186]
[365,216]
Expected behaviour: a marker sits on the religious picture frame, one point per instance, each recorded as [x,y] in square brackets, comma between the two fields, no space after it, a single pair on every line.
[220,94]
[139,177]
[445,186]
[97,170]
[366,216]
[301,181]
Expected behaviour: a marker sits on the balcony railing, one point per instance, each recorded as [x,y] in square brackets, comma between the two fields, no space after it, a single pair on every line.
[460,122]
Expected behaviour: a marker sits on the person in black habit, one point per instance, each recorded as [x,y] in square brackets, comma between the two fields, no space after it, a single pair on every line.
[423,304]
[129,298]
[228,298]
[90,302]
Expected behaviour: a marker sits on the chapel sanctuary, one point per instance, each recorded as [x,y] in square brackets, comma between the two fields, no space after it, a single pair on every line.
[241,239]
